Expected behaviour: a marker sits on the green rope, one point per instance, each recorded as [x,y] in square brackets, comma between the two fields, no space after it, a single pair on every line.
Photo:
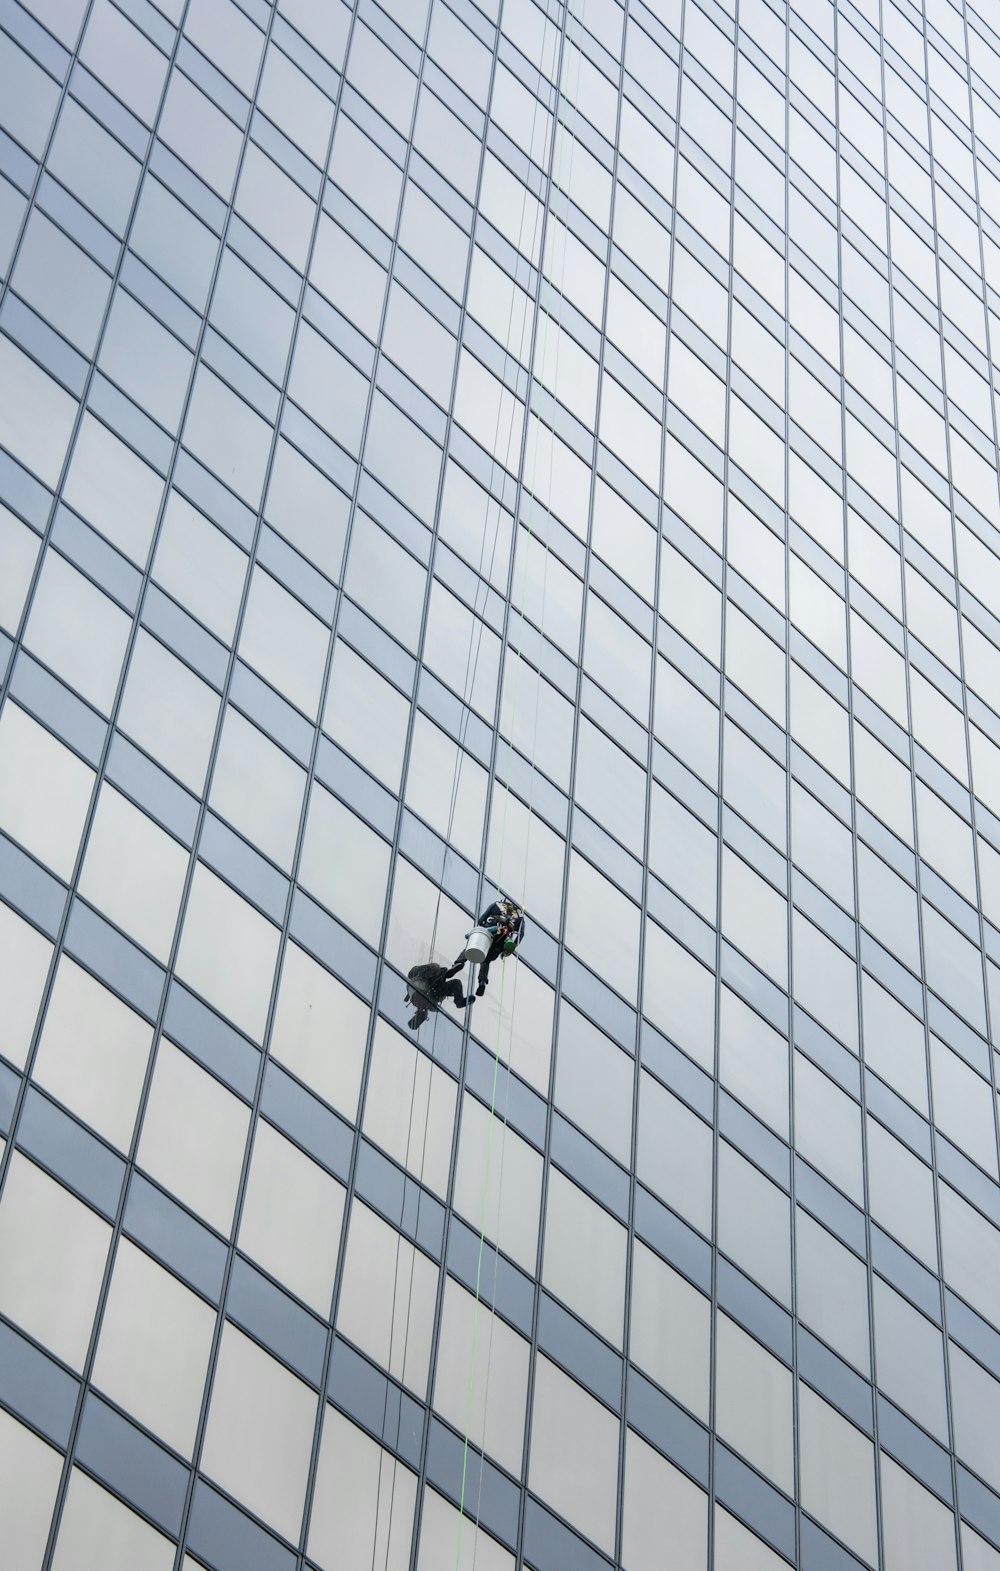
[531,491]
[479,1272]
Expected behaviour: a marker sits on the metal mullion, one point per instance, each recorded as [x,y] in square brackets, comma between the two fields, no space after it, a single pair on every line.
[42,162]
[789,844]
[192,864]
[44,544]
[168,967]
[720,825]
[98,782]
[650,710]
[203,808]
[922,941]
[98,769]
[661,505]
[869,1268]
[533,379]
[961,652]
[380,960]
[545,206]
[936,1178]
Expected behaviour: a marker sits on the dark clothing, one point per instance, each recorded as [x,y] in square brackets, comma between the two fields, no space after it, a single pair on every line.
[495,917]
[506,928]
[430,985]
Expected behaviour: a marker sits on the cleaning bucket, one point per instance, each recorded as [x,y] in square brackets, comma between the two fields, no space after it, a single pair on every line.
[477,945]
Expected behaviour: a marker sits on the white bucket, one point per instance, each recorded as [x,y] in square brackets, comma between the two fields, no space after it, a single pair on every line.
[478,945]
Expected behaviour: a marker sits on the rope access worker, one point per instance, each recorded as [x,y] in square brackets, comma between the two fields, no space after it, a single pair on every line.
[429,986]
[504,921]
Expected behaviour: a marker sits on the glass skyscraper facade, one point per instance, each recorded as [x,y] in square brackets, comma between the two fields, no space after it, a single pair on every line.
[452,446]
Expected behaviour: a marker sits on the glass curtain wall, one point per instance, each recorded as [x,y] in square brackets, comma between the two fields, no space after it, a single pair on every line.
[452,446]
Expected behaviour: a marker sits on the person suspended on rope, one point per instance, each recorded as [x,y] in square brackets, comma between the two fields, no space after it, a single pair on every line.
[429,986]
[503,921]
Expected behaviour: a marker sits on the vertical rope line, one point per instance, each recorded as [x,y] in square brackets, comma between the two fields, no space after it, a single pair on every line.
[479,1273]
[392,1327]
[409,1292]
[467,688]
[534,735]
[555,181]
[469,683]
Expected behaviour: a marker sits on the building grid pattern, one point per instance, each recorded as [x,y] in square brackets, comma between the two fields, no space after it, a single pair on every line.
[445,441]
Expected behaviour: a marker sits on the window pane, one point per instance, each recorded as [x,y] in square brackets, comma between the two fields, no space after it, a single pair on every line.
[19,547]
[584,1259]
[441,1540]
[44,790]
[754,1403]
[169,711]
[61,282]
[832,1291]
[366,716]
[78,631]
[493,1413]
[134,872]
[259,1434]
[229,436]
[258,788]
[670,1330]
[193,1136]
[736,1548]
[291,1218]
[828,1128]
[919,1532]
[152,1357]
[910,1359]
[344,864]
[446,787]
[754,1223]
[678,995]
[410,1108]
[56,1250]
[387,1298]
[36,416]
[228,952]
[525,1023]
[24,964]
[113,489]
[971,1256]
[753,1062]
[31,1471]
[574,1453]
[284,641]
[320,1030]
[837,1474]
[363,1502]
[94,166]
[508,1213]
[98,1533]
[661,1505]
[674,1153]
[901,1193]
[150,364]
[754,916]
[594,1083]
[974,1394]
[612,948]
[93,1052]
